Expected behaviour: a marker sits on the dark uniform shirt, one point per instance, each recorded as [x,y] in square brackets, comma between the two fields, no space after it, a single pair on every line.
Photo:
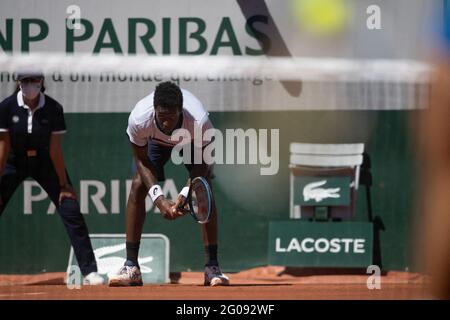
[30,132]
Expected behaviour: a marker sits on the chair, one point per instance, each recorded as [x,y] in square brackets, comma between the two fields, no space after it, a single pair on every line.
[324,179]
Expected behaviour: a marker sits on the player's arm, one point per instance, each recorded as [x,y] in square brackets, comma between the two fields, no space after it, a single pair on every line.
[148,176]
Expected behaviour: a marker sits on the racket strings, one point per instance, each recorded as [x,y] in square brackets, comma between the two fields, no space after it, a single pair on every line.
[200,202]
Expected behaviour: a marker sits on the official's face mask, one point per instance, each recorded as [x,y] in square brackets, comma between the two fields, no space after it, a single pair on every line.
[30,90]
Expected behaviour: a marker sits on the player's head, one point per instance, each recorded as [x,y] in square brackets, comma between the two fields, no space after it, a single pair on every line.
[168,103]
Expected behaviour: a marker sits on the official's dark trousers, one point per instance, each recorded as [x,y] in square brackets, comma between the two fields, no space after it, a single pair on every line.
[69,209]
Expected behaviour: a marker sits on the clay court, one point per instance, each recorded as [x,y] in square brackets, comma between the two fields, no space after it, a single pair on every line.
[265,283]
[324,124]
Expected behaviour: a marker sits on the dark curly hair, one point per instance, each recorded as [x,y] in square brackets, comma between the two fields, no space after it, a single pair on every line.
[168,95]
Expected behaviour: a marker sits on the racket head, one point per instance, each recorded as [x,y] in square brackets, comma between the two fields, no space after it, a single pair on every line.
[200,200]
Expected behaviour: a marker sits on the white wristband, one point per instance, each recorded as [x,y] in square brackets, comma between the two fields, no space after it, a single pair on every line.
[184,192]
[155,192]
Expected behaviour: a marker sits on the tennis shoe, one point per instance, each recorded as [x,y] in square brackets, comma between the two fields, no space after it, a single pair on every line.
[214,277]
[127,276]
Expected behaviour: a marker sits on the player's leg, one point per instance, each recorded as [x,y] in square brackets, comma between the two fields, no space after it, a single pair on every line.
[209,232]
[135,218]
[135,211]
[213,274]
[130,274]
[74,223]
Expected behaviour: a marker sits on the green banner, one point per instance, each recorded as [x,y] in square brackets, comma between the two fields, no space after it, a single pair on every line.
[320,244]
[98,158]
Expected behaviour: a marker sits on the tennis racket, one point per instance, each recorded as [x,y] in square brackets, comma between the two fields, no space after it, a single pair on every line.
[199,200]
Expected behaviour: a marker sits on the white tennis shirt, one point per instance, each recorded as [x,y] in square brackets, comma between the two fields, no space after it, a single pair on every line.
[142,123]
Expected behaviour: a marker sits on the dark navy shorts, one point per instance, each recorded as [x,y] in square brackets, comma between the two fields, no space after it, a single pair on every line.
[159,155]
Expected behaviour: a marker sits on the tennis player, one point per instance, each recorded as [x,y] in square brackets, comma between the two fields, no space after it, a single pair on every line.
[150,126]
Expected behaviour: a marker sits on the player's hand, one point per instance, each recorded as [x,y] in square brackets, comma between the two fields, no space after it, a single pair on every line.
[67,192]
[178,205]
[165,206]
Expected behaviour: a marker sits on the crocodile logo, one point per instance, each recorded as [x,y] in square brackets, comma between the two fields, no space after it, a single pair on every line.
[312,191]
[111,264]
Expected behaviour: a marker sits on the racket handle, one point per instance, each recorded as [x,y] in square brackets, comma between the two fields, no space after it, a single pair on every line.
[184,210]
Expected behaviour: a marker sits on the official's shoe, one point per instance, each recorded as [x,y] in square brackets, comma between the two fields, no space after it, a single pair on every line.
[93,279]
[215,277]
[127,276]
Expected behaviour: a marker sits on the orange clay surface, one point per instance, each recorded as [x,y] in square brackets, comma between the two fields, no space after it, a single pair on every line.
[264,283]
